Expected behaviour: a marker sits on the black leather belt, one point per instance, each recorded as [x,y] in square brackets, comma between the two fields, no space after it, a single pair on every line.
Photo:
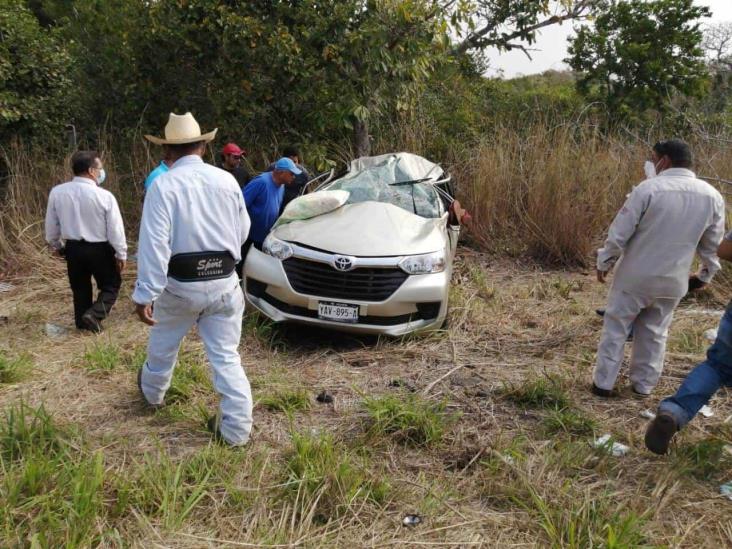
[201,266]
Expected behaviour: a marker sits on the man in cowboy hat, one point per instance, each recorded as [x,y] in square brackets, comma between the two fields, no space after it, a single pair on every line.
[193,225]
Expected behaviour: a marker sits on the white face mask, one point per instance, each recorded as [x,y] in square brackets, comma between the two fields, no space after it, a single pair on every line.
[102,176]
[650,169]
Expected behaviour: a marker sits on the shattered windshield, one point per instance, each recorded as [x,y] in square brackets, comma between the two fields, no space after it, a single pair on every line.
[386,182]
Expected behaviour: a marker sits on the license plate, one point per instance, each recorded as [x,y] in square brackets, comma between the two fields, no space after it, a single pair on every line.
[339,312]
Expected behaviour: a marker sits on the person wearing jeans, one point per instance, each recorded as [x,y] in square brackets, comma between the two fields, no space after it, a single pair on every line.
[194,223]
[701,384]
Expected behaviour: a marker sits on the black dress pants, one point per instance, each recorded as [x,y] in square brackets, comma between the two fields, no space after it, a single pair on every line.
[244,251]
[85,260]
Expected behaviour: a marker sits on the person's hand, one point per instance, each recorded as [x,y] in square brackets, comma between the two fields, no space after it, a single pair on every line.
[145,312]
[696,283]
[55,252]
[601,276]
[121,265]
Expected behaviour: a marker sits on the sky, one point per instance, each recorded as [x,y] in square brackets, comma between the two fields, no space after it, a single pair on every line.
[552,46]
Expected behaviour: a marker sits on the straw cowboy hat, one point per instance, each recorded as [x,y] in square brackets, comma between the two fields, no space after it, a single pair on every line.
[182,129]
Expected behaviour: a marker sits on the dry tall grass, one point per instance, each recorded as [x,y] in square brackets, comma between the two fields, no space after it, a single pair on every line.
[546,191]
[553,191]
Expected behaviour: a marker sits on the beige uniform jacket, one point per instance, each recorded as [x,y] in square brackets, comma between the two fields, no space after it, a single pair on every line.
[665,220]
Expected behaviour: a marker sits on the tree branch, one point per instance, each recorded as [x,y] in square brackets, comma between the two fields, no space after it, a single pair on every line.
[478,38]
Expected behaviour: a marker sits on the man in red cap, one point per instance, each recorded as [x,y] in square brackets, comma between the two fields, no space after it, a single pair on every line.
[231,162]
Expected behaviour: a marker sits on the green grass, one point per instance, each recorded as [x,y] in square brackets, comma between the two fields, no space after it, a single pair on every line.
[52,494]
[408,419]
[323,479]
[288,401]
[168,491]
[13,370]
[540,393]
[190,378]
[102,358]
[576,521]
[703,460]
[689,340]
[570,421]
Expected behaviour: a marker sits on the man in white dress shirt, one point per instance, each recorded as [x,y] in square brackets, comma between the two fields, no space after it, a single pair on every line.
[665,220]
[83,223]
[194,223]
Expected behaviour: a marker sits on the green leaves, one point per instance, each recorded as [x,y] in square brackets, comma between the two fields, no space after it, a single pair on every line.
[640,55]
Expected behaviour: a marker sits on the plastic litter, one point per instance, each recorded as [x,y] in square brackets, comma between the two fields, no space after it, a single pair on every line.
[56,331]
[648,414]
[706,411]
[726,490]
[412,520]
[710,335]
[324,398]
[6,287]
[616,449]
[132,258]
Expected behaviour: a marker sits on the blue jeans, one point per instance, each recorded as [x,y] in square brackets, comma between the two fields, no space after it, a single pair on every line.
[706,379]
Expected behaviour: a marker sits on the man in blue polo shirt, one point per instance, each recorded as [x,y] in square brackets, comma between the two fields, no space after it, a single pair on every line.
[263,197]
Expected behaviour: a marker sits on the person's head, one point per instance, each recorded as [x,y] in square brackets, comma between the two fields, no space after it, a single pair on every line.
[291,152]
[231,155]
[174,152]
[88,164]
[672,153]
[284,171]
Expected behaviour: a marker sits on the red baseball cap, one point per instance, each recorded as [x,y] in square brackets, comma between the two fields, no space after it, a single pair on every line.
[233,148]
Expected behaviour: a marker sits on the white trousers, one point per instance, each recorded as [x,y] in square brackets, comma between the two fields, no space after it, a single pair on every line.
[218,313]
[650,319]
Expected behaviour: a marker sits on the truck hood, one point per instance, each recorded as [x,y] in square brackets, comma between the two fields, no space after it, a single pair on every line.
[368,229]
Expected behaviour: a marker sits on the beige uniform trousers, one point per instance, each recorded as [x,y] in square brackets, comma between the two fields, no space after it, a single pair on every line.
[650,319]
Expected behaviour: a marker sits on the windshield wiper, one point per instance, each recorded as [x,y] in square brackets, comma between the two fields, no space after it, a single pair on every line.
[410,182]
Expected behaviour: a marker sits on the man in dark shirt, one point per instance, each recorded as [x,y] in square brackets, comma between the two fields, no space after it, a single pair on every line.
[294,189]
[231,162]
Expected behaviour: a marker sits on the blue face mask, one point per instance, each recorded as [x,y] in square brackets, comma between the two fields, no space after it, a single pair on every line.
[102,176]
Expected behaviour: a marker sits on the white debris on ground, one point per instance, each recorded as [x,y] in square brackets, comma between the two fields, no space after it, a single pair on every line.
[56,331]
[648,414]
[616,449]
[6,287]
[412,520]
[710,335]
[726,490]
[706,411]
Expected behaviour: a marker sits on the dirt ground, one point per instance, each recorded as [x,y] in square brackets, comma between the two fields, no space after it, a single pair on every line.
[510,469]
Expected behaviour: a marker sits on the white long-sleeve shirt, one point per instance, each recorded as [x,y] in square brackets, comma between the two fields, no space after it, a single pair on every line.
[194,207]
[81,210]
[664,221]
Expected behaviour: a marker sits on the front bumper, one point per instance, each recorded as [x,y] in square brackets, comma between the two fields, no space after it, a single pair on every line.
[419,304]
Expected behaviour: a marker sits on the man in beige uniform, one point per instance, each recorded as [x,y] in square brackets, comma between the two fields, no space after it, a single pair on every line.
[664,221]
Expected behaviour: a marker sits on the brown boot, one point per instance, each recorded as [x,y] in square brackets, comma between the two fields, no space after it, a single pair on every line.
[660,432]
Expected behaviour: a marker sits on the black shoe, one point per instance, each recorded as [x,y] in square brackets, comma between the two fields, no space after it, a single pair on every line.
[91,323]
[605,393]
[142,394]
[638,394]
[660,432]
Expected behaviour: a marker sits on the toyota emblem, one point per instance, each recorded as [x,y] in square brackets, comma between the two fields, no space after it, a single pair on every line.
[343,263]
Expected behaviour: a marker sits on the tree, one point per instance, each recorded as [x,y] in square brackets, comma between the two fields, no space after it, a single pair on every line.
[35,85]
[717,43]
[640,54]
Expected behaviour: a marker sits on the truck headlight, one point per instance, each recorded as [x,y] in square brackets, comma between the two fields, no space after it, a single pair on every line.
[276,248]
[423,264]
